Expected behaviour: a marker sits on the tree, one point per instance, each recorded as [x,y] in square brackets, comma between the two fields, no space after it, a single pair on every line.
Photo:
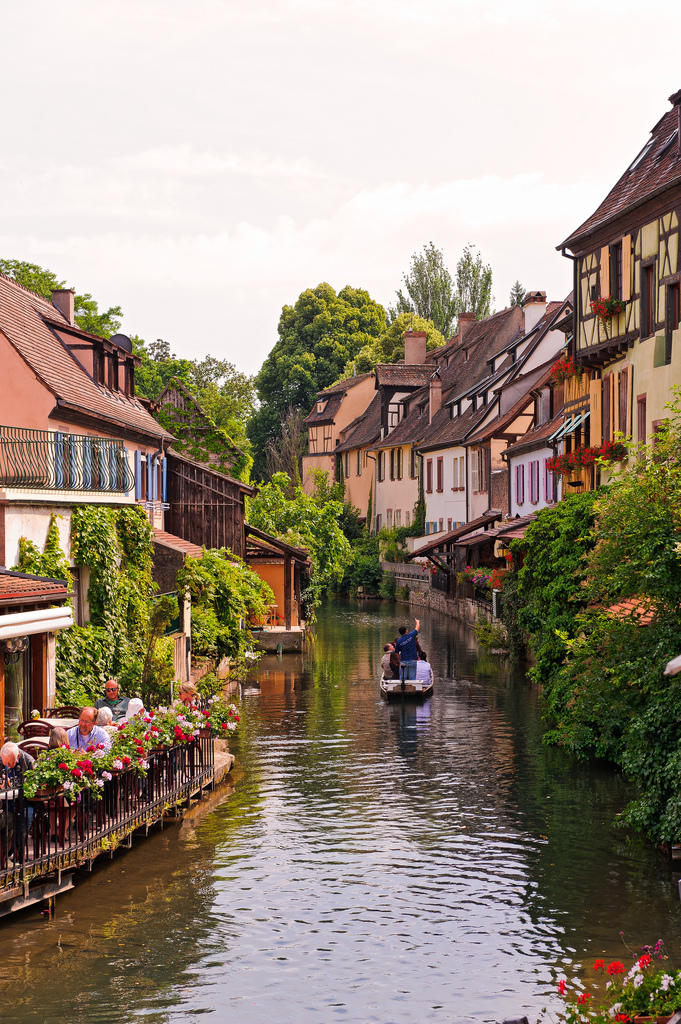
[285,452]
[430,291]
[317,337]
[473,284]
[86,310]
[517,296]
[389,347]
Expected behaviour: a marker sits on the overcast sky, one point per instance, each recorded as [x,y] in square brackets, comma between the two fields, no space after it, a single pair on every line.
[202,162]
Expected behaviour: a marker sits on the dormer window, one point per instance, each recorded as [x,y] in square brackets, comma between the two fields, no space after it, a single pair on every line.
[321,406]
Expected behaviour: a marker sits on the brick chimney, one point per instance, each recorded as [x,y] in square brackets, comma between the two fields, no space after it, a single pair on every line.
[435,401]
[414,347]
[534,308]
[675,100]
[466,321]
[63,299]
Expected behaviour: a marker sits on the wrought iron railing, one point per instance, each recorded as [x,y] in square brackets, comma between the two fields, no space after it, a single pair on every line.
[50,460]
[41,836]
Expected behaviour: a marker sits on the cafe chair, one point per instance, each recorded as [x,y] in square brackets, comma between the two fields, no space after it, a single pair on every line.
[68,711]
[34,746]
[29,728]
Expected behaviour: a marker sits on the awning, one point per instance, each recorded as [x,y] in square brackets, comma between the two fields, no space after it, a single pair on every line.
[46,620]
[570,426]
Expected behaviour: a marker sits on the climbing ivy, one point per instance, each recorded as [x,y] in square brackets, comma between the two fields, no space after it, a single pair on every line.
[52,562]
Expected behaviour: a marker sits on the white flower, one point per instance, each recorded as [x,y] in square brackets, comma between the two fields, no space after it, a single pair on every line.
[638,981]
[68,785]
[99,753]
[117,765]
[615,1009]
[144,764]
[231,726]
[107,776]
[99,784]
[665,981]
[181,718]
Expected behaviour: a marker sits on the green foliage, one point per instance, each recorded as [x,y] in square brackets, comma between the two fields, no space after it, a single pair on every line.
[430,292]
[224,593]
[52,562]
[388,347]
[364,570]
[86,310]
[392,542]
[158,670]
[317,337]
[490,635]
[302,522]
[517,296]
[388,587]
[473,284]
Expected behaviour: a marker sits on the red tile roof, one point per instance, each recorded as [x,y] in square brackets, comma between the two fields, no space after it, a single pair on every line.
[17,586]
[331,407]
[343,385]
[169,540]
[536,438]
[24,319]
[453,535]
[641,608]
[364,429]
[403,374]
[657,167]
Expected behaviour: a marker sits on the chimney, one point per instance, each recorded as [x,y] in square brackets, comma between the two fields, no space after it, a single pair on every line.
[466,321]
[63,299]
[675,100]
[534,308]
[414,347]
[435,402]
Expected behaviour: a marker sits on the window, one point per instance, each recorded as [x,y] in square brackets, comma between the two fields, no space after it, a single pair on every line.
[624,401]
[440,475]
[455,474]
[378,522]
[519,484]
[641,419]
[534,481]
[389,517]
[392,463]
[616,271]
[647,300]
[398,517]
[398,463]
[407,518]
[440,525]
[412,463]
[312,438]
[548,482]
[381,466]
[327,438]
[429,476]
[358,468]
[321,406]
[449,526]
[346,465]
[672,317]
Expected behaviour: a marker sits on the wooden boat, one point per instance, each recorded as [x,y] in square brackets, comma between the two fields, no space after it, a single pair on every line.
[414,689]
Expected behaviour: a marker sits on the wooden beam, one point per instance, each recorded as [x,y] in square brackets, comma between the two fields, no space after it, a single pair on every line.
[287,590]
[39,672]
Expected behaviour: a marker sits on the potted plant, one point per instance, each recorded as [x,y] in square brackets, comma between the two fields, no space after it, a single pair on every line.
[63,770]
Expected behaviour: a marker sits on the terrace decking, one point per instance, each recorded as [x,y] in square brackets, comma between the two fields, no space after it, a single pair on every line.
[44,841]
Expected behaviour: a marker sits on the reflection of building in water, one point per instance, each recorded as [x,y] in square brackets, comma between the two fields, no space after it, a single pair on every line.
[279,675]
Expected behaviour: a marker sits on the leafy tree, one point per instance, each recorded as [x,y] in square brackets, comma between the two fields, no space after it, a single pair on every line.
[304,523]
[317,337]
[430,291]
[389,346]
[517,296]
[473,284]
[86,310]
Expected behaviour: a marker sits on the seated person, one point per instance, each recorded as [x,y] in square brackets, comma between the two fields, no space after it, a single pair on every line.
[187,694]
[15,763]
[390,663]
[134,708]
[424,672]
[58,738]
[87,733]
[105,716]
[113,700]
[405,646]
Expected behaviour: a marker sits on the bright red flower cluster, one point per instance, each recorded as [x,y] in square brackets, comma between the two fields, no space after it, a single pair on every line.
[564,368]
[644,961]
[562,987]
[582,458]
[606,309]
[616,967]
[583,998]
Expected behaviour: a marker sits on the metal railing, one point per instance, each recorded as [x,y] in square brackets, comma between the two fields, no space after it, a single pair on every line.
[50,460]
[42,835]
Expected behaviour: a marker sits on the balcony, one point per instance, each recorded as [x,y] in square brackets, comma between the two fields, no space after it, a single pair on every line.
[49,460]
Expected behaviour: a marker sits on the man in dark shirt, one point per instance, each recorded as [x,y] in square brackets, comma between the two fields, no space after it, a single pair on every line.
[15,818]
[406,646]
[112,699]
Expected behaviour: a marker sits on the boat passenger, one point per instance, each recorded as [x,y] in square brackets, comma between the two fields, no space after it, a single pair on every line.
[424,672]
[390,663]
[405,646]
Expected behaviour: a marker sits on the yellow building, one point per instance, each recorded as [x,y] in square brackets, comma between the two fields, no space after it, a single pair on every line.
[334,409]
[626,256]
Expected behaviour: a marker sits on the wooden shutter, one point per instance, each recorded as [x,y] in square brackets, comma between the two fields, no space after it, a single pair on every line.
[624,400]
[462,473]
[392,463]
[605,271]
[595,404]
[429,476]
[455,473]
[644,312]
[475,474]
[440,474]
[607,407]
[626,268]
[641,418]
[521,499]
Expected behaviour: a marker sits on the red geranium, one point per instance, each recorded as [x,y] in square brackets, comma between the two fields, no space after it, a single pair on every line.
[562,987]
[583,998]
[599,965]
[76,772]
[616,967]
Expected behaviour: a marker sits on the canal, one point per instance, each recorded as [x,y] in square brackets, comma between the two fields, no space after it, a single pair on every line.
[374,863]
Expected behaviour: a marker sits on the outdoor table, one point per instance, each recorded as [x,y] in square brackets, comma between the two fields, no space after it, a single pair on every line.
[61,723]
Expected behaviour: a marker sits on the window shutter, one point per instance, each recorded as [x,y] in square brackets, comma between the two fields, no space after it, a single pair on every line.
[462,473]
[547,493]
[605,271]
[455,473]
[475,470]
[607,407]
[626,268]
[522,485]
[595,405]
[517,485]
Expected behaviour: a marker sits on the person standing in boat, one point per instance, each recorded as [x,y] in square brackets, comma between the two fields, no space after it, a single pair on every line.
[406,646]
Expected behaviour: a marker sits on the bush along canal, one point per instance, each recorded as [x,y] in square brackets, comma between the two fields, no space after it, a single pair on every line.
[375,863]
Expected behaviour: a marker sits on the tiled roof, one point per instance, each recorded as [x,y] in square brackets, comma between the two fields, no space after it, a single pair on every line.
[330,409]
[454,535]
[169,540]
[17,586]
[658,166]
[364,429]
[444,432]
[408,375]
[644,609]
[536,438]
[23,317]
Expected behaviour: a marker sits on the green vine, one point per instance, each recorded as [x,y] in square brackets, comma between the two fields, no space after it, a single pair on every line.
[51,563]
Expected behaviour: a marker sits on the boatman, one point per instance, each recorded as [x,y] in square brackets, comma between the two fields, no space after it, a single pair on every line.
[406,646]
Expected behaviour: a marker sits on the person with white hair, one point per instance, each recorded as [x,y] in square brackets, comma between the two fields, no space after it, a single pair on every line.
[104,716]
[135,705]
[15,762]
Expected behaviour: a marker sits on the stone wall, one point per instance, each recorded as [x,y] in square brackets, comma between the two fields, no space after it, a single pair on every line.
[422,595]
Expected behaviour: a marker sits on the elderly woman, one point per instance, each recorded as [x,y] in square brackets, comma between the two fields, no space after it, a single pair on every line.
[104,716]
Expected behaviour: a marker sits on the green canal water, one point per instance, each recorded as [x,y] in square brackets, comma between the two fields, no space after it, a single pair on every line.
[374,863]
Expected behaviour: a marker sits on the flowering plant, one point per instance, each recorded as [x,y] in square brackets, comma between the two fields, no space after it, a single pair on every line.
[483,576]
[220,717]
[580,458]
[72,770]
[606,309]
[564,368]
[647,989]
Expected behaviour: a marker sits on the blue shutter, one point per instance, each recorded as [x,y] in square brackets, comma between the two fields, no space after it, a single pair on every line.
[164,496]
[154,479]
[138,475]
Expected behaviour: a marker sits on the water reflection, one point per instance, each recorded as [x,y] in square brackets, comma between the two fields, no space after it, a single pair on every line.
[376,862]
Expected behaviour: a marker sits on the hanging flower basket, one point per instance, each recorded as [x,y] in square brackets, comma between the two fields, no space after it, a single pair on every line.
[606,309]
[585,457]
[564,368]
